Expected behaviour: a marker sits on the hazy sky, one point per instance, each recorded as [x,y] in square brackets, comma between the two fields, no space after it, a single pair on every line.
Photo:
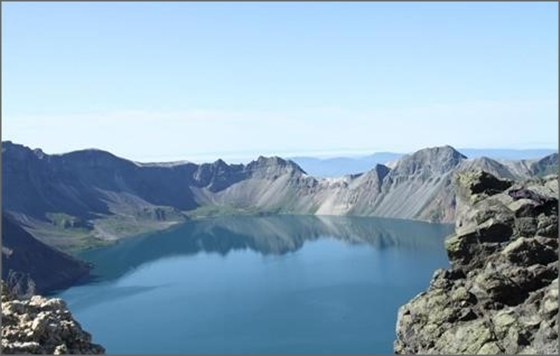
[167,81]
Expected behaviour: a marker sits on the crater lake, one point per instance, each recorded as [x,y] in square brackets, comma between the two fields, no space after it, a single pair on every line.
[247,285]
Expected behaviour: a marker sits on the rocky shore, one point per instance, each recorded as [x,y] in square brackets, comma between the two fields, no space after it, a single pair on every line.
[501,293]
[42,326]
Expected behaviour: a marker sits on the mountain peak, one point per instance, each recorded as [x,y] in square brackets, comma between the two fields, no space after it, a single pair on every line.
[271,160]
[438,152]
[220,163]
[546,165]
[275,161]
[274,166]
[9,145]
[443,150]
[440,159]
[21,151]
[552,158]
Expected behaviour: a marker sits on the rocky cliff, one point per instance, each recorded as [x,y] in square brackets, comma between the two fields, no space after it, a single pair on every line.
[41,326]
[501,294]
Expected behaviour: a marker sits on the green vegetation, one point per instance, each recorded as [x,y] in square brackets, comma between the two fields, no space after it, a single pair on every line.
[113,227]
[68,221]
[71,234]
[67,239]
[160,213]
[213,211]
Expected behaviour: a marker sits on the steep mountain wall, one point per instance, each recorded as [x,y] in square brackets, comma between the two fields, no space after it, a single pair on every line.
[25,257]
[501,294]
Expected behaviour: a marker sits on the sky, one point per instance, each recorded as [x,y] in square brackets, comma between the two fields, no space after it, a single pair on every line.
[200,81]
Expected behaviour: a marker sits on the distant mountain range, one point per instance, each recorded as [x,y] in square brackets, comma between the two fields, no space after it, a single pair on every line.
[91,197]
[339,166]
[96,196]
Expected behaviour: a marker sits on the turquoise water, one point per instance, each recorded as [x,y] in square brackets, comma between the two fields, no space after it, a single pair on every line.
[278,284]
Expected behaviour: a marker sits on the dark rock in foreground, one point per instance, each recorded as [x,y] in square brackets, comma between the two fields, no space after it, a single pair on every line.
[501,294]
[49,268]
[41,326]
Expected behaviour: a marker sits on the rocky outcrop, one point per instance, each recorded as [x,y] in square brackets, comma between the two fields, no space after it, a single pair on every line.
[501,294]
[42,326]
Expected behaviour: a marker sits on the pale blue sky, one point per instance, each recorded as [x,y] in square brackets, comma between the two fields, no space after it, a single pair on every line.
[166,81]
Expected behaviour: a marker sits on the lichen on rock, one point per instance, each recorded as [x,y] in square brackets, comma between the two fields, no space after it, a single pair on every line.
[501,293]
[40,325]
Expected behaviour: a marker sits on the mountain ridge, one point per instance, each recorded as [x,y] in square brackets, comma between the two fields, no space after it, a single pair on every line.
[339,166]
[93,187]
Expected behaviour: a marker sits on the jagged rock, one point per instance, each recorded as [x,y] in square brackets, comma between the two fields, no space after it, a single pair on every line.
[41,326]
[528,251]
[501,294]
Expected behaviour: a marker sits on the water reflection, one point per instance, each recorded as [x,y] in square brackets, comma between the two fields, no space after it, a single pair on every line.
[269,235]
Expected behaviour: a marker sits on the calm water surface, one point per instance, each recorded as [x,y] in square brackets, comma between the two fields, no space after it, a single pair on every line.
[280,284]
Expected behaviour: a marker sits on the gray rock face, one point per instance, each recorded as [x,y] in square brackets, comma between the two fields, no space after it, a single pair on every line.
[501,294]
[42,326]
